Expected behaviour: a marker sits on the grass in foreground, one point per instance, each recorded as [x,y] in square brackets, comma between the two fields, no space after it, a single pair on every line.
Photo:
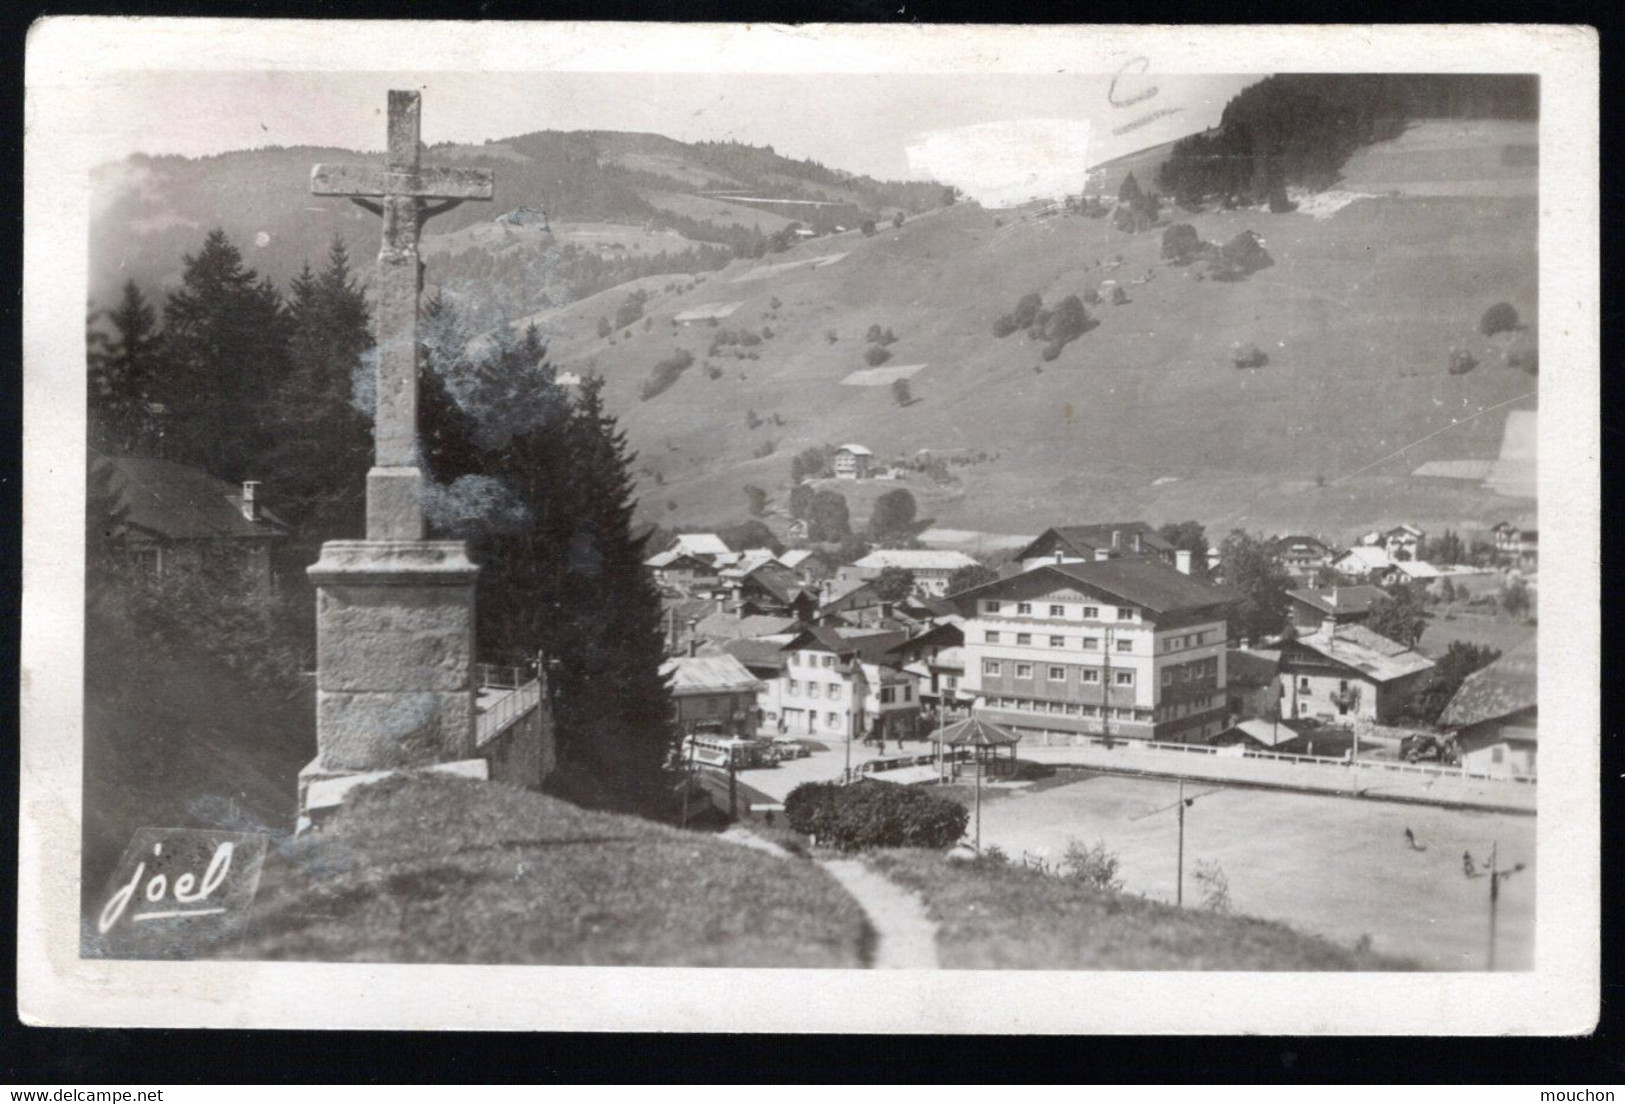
[1011,917]
[448,870]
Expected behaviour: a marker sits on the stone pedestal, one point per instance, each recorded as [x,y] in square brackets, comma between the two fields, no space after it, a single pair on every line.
[394,654]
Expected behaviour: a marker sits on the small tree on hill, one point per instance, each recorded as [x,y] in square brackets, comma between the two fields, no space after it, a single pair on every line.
[868,228]
[1181,243]
[893,513]
[1462,362]
[1260,583]
[1515,598]
[971,575]
[897,220]
[893,584]
[604,328]
[1500,318]
[900,392]
[1119,296]
[876,355]
[1449,672]
[1399,616]
[756,499]
[801,496]
[828,518]
[1247,355]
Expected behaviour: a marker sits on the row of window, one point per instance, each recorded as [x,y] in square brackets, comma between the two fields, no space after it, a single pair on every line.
[1068,709]
[814,689]
[1189,640]
[1088,643]
[1196,669]
[1056,610]
[1057,673]
[809,659]
[901,692]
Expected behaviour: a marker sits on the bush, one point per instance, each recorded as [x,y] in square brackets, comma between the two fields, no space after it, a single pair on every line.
[1462,362]
[1524,353]
[1245,254]
[666,373]
[1092,297]
[1181,243]
[876,355]
[872,813]
[868,228]
[1501,318]
[1093,866]
[1119,296]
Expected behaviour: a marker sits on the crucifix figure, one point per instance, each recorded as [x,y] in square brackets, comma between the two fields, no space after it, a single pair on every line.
[405,194]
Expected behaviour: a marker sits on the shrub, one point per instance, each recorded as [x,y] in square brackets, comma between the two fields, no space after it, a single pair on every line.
[1119,296]
[1245,254]
[756,499]
[604,328]
[1247,355]
[631,310]
[876,355]
[897,220]
[1524,354]
[831,336]
[1500,318]
[713,371]
[765,449]
[1214,885]
[1092,297]
[1093,866]
[872,813]
[868,228]
[1462,362]
[900,392]
[666,373]
[1181,243]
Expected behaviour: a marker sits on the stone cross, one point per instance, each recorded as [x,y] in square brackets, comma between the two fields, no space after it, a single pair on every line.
[394,485]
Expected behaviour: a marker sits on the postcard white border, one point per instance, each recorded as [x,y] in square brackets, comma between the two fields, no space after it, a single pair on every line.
[70,62]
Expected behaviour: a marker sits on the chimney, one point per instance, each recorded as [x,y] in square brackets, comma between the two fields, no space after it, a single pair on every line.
[251,505]
[1059,555]
[1182,560]
[1137,547]
[885,611]
[1117,538]
[1103,554]
[693,645]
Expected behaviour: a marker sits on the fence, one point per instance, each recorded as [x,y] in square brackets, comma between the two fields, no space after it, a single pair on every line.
[502,676]
[507,711]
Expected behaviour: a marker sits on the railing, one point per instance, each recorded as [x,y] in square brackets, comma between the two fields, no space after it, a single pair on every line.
[507,711]
[501,676]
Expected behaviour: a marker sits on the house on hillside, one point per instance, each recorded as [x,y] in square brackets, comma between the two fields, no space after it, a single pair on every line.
[810,565]
[772,589]
[935,657]
[931,568]
[1402,542]
[712,695]
[1129,648]
[680,569]
[1516,546]
[169,516]
[1366,562]
[707,546]
[1107,541]
[840,683]
[1302,555]
[853,462]
[764,658]
[1349,605]
[1493,716]
[1349,674]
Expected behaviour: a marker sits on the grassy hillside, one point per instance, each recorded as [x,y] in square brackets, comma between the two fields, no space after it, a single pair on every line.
[448,870]
[1145,414]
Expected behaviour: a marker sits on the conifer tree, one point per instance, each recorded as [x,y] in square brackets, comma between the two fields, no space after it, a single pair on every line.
[124,366]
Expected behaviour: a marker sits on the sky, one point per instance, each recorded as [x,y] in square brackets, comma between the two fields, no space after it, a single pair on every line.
[887,125]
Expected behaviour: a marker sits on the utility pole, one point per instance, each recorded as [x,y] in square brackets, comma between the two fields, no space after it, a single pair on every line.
[978,754]
[1179,883]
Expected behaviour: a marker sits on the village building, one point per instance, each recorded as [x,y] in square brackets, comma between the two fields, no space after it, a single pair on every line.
[1311,608]
[1493,716]
[1402,542]
[1517,547]
[1302,555]
[1128,648]
[170,516]
[931,568]
[1087,543]
[853,462]
[1364,562]
[707,546]
[810,565]
[838,684]
[936,659]
[712,695]
[681,570]
[771,589]
[764,658]
[1349,675]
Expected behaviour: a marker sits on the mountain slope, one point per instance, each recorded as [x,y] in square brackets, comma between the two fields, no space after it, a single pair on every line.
[1143,415]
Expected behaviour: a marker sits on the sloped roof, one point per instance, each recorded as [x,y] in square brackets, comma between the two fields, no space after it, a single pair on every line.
[700,544]
[1291,539]
[1368,556]
[171,501]
[1334,600]
[1251,666]
[718,674]
[758,653]
[1418,569]
[1507,686]
[915,559]
[1370,653]
[727,626]
[795,557]
[670,557]
[1150,584]
[975,732]
[855,450]
[1084,539]
[777,580]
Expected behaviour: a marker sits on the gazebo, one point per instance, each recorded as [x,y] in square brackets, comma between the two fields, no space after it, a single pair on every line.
[987,738]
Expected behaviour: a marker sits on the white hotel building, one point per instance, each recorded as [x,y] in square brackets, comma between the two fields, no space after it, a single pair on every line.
[1130,648]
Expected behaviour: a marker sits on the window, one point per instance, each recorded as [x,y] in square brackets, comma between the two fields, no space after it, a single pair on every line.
[1125,613]
[1057,674]
[1123,678]
[795,687]
[1090,674]
[951,682]
[834,719]
[991,637]
[1057,642]
[1091,643]
[1024,638]
[908,692]
[990,667]
[1024,608]
[1167,676]
[815,689]
[1498,753]
[829,661]
[1303,684]
[990,607]
[1091,612]
[885,695]
[1125,645]
[1185,673]
[834,690]
[1071,709]
[1024,670]
[1343,685]
[1057,611]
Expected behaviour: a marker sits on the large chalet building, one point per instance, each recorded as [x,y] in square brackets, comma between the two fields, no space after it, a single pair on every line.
[1130,648]
[1087,543]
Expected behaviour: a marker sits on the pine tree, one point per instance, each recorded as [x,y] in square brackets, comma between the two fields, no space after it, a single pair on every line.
[316,465]
[226,336]
[1260,584]
[124,366]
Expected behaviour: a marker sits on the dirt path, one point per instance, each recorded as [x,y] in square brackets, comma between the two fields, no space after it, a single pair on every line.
[905,937]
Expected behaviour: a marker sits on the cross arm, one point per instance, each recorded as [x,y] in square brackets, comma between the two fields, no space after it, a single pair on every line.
[425,183]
